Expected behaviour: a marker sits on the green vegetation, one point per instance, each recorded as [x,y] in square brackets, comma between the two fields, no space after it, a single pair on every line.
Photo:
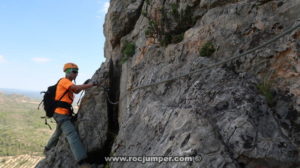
[152,29]
[166,40]
[207,49]
[21,129]
[265,89]
[144,13]
[175,12]
[128,51]
[159,28]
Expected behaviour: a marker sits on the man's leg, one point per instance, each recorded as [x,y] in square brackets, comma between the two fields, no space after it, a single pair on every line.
[54,138]
[77,148]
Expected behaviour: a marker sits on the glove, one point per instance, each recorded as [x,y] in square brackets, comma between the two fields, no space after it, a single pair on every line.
[87,81]
[95,83]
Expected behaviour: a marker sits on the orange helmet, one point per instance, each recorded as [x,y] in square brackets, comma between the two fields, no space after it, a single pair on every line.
[70,65]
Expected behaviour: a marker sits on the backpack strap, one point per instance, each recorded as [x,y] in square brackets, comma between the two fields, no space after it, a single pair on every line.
[65,91]
[63,95]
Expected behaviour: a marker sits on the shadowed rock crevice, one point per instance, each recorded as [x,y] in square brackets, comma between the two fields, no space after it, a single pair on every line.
[113,91]
[113,109]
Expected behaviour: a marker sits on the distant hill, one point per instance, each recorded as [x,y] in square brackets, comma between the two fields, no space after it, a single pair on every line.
[22,131]
[31,94]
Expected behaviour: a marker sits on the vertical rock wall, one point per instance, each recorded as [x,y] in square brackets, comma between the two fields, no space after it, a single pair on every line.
[243,113]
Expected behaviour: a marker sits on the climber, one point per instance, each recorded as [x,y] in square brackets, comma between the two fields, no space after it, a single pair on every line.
[63,116]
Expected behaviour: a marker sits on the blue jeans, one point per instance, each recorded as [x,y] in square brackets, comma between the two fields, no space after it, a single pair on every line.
[65,126]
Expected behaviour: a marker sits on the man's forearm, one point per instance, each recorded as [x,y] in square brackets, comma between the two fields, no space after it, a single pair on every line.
[78,88]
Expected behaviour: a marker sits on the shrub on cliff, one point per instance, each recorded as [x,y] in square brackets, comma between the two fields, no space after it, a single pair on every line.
[128,50]
[207,49]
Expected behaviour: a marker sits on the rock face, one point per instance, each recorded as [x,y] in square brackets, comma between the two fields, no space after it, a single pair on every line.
[243,113]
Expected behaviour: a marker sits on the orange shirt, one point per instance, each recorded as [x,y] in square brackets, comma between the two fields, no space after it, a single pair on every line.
[63,85]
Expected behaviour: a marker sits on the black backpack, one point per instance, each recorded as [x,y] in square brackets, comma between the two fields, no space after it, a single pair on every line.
[49,102]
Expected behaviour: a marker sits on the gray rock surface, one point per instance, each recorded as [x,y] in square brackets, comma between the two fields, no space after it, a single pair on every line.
[242,114]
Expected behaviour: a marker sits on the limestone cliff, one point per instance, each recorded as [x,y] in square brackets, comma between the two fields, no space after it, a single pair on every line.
[243,113]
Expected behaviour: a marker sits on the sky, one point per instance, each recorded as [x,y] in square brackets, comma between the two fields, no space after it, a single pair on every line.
[37,37]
